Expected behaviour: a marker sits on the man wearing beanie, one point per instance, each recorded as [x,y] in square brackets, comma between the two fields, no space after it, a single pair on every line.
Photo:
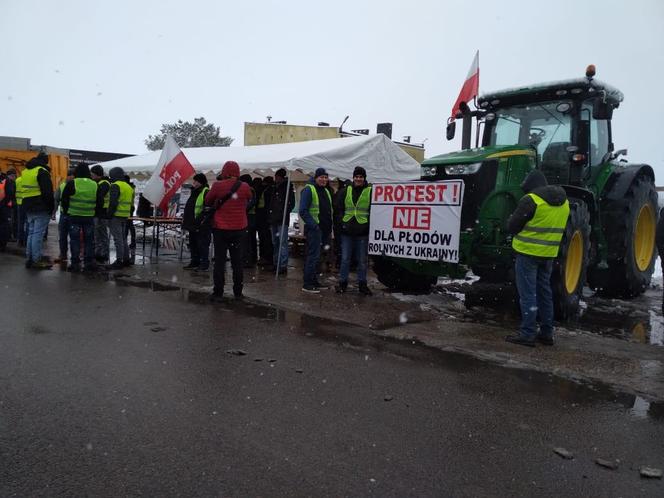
[279,218]
[316,211]
[229,198]
[38,204]
[352,211]
[199,233]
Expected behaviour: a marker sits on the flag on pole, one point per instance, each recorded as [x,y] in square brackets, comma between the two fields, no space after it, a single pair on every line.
[173,168]
[471,86]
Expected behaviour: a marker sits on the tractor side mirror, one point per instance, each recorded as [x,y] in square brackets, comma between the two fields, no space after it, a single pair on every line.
[451,130]
[601,109]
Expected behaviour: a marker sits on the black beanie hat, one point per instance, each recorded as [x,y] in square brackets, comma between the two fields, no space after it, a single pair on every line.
[201,178]
[360,171]
[97,170]
[281,172]
[320,172]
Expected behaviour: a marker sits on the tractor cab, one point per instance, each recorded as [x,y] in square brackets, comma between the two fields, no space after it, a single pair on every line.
[567,124]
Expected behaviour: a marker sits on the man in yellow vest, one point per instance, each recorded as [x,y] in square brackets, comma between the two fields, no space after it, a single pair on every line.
[79,204]
[352,209]
[200,233]
[316,211]
[537,224]
[38,205]
[63,221]
[102,241]
[119,207]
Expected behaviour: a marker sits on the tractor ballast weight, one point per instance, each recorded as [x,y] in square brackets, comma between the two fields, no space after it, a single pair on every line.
[564,130]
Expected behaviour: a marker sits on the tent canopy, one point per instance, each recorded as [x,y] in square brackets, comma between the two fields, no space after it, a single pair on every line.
[383,160]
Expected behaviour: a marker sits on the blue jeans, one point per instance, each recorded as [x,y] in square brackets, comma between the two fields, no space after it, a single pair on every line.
[314,238]
[86,226]
[280,246]
[63,233]
[358,246]
[533,281]
[36,228]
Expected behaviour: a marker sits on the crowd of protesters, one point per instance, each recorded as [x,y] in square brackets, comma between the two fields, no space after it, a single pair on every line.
[245,218]
[91,208]
[248,219]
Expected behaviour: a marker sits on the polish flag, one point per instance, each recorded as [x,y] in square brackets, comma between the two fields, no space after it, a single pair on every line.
[471,86]
[172,170]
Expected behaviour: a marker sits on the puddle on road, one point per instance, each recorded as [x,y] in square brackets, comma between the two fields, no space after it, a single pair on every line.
[356,339]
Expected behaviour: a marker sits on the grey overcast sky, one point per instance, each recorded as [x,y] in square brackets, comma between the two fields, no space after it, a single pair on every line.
[103,75]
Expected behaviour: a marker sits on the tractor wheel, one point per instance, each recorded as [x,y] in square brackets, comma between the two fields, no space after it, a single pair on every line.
[397,278]
[569,268]
[633,240]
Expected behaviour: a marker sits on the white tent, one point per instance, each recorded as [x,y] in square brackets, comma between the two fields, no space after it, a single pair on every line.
[383,160]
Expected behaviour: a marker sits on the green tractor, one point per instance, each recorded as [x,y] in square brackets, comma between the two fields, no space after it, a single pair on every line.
[564,130]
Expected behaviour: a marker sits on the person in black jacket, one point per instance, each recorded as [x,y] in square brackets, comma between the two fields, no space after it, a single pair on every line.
[353,204]
[265,249]
[659,239]
[102,222]
[537,225]
[279,219]
[199,235]
[38,204]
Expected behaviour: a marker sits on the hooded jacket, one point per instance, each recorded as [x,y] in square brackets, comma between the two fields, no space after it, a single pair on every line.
[232,215]
[45,201]
[116,174]
[534,183]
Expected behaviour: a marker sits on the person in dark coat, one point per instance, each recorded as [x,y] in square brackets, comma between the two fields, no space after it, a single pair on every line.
[279,219]
[79,203]
[199,233]
[102,221]
[251,250]
[537,225]
[265,249]
[5,213]
[38,204]
[316,211]
[352,208]
[659,239]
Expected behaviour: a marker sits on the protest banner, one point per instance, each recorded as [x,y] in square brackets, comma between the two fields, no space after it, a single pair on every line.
[416,220]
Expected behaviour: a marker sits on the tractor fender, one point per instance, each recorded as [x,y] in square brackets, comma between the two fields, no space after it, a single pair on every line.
[583,194]
[622,178]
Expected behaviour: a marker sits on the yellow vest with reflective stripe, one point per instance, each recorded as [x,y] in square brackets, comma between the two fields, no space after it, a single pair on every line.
[125,200]
[19,190]
[30,183]
[107,197]
[198,207]
[359,211]
[542,234]
[62,188]
[83,202]
[314,208]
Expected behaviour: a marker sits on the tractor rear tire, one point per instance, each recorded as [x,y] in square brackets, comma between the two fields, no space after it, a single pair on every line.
[569,269]
[632,238]
[398,278]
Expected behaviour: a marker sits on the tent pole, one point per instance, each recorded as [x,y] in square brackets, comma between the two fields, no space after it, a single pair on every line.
[283,220]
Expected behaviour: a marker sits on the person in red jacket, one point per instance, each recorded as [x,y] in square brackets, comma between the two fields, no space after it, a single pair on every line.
[228,197]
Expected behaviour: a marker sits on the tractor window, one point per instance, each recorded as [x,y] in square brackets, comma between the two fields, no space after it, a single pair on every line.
[539,125]
[599,140]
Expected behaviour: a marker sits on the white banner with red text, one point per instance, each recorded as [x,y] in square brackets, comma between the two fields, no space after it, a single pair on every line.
[416,220]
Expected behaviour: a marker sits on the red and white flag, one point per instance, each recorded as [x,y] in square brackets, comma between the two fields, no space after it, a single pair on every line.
[172,170]
[471,86]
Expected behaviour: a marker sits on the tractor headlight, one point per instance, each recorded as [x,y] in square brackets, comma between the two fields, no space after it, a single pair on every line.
[463,169]
[429,170]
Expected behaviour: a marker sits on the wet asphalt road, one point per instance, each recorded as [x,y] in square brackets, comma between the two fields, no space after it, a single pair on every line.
[110,390]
